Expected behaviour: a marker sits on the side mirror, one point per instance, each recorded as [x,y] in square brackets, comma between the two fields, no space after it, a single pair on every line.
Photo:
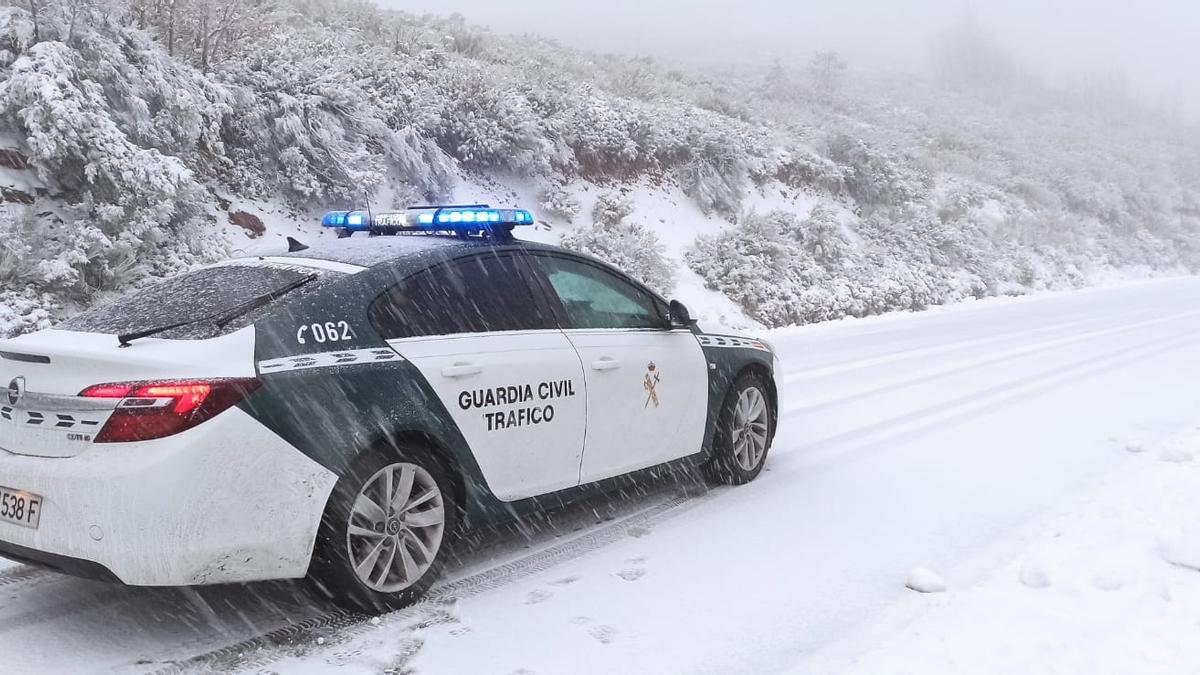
[680,316]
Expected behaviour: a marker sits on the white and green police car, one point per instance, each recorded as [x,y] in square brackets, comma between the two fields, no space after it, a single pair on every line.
[341,411]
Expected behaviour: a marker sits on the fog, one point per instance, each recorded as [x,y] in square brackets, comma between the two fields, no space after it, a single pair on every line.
[1147,47]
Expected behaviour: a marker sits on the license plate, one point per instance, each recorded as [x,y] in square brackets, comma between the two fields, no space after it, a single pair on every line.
[20,507]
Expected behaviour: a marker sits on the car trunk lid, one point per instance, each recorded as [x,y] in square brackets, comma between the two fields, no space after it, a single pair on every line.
[42,374]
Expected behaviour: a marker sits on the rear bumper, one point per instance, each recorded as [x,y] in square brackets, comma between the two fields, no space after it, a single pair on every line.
[76,567]
[226,501]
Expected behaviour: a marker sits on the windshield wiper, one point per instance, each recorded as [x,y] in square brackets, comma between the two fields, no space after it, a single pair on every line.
[260,301]
[223,319]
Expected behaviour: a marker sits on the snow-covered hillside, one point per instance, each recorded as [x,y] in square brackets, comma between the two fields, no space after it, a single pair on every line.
[135,136]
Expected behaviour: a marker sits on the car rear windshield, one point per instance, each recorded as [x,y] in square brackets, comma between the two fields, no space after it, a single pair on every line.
[194,296]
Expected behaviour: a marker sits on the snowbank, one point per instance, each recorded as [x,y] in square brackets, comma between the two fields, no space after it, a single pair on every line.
[1112,587]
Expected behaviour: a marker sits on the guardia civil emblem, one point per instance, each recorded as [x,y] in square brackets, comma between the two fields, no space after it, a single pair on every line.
[650,384]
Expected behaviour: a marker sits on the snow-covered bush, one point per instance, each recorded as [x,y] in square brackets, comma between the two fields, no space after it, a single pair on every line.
[557,200]
[755,265]
[25,310]
[611,208]
[875,178]
[92,124]
[628,245]
[786,270]
[487,123]
[821,235]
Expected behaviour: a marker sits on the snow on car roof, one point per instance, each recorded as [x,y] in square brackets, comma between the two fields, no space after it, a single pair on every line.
[369,251]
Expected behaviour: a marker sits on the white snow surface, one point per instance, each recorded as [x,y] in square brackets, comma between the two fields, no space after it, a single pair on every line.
[925,580]
[1110,586]
[986,441]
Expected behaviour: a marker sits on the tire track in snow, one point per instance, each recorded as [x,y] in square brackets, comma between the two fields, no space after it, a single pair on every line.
[972,364]
[53,612]
[22,574]
[900,427]
[792,376]
[261,650]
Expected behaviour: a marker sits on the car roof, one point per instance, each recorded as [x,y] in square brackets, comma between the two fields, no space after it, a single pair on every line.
[367,251]
[411,253]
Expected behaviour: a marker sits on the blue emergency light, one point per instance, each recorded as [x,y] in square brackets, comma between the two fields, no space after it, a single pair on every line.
[465,219]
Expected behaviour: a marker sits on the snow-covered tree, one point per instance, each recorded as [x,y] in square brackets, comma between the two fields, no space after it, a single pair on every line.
[93,130]
[826,71]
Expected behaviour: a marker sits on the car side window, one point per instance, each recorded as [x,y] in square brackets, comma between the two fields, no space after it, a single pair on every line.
[593,297]
[480,294]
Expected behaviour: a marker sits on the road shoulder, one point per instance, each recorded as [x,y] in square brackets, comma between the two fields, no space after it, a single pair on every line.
[1110,587]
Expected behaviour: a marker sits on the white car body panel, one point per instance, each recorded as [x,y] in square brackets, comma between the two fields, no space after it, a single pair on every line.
[629,428]
[79,360]
[226,501]
[517,462]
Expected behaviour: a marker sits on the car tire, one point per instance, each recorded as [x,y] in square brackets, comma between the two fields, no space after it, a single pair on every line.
[375,554]
[745,429]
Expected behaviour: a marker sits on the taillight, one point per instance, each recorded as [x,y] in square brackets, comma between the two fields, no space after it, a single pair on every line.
[150,410]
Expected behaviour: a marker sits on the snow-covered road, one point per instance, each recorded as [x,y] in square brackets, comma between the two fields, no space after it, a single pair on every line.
[927,440]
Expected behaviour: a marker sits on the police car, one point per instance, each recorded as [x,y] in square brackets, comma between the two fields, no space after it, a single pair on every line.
[341,411]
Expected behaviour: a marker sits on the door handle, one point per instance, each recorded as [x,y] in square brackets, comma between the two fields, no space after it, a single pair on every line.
[462,369]
[606,363]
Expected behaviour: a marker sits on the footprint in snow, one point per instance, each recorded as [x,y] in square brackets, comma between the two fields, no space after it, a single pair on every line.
[538,596]
[603,634]
[565,581]
[635,571]
[632,573]
[1175,455]
[1034,575]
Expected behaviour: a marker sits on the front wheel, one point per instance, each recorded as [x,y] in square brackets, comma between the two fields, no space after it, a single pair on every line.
[384,532]
[743,434]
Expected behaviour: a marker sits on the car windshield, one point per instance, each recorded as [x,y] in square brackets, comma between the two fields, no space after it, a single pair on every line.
[211,291]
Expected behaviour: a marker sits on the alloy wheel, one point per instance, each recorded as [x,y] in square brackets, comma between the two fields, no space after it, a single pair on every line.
[749,428]
[396,527]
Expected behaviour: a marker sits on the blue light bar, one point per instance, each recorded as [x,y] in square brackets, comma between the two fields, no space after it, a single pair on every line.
[471,219]
[334,219]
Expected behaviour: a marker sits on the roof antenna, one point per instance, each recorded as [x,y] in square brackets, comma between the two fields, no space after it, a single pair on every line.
[295,245]
[370,217]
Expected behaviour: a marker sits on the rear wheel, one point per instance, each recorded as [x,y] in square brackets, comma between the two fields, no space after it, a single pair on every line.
[384,531]
[743,434]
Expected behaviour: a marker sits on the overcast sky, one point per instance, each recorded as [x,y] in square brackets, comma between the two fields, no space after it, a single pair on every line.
[1155,43]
